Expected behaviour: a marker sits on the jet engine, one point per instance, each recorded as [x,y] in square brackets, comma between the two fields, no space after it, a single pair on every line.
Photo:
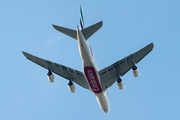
[120,84]
[135,71]
[50,76]
[71,87]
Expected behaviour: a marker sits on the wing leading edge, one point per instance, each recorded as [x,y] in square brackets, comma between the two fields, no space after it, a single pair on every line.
[63,71]
[110,74]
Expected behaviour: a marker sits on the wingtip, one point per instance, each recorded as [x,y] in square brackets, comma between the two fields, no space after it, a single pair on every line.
[24,53]
[152,45]
[101,23]
[53,26]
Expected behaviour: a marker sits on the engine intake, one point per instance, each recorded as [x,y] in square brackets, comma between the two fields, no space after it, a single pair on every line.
[50,76]
[120,84]
[135,71]
[71,87]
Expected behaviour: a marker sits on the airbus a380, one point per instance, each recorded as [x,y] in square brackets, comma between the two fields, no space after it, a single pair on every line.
[93,79]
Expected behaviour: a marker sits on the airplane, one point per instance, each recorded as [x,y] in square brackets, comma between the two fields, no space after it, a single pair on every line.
[93,79]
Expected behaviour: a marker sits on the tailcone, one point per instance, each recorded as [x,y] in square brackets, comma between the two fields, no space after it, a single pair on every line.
[106,110]
[103,102]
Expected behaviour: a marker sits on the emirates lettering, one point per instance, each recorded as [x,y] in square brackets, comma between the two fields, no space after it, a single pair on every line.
[92,80]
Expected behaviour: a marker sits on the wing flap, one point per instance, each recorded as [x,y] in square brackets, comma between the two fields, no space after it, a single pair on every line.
[61,70]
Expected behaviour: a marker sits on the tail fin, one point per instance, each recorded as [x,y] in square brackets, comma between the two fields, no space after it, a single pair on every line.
[81,18]
[87,32]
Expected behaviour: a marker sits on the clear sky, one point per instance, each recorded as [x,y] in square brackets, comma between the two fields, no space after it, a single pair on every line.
[128,25]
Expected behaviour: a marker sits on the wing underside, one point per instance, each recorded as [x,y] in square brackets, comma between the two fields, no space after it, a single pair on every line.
[108,75]
[111,73]
[61,70]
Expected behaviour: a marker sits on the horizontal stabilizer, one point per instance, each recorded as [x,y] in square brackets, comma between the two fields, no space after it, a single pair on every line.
[69,32]
[87,32]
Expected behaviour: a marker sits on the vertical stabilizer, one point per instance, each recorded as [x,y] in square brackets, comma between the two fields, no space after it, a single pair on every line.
[81,18]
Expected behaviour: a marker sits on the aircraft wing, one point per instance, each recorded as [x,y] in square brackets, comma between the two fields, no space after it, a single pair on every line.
[63,71]
[111,73]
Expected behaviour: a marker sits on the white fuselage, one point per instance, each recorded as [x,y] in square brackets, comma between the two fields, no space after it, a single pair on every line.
[90,69]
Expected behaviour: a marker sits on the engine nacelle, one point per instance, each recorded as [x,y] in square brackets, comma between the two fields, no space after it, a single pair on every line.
[135,71]
[120,84]
[71,87]
[50,76]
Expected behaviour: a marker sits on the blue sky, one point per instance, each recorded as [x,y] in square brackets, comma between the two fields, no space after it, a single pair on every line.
[128,26]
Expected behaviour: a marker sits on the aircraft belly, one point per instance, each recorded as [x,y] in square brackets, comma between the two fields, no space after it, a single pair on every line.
[92,79]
